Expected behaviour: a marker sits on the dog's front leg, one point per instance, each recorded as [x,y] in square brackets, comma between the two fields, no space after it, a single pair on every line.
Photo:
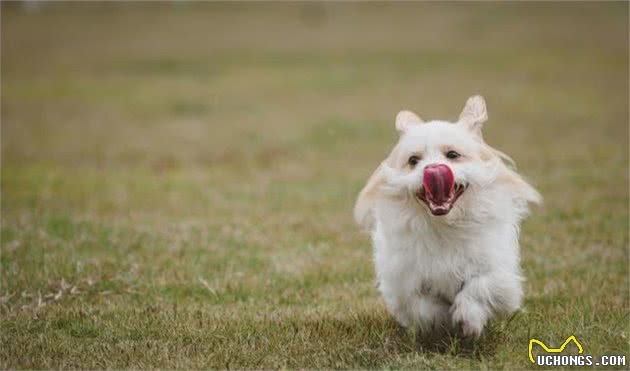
[481,297]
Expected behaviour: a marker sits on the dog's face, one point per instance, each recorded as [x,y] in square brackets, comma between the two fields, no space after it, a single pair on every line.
[443,166]
[437,162]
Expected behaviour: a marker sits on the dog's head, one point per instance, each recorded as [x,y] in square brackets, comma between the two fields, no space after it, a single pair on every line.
[440,167]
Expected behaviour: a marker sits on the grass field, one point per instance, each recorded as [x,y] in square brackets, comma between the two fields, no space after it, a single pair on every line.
[178,179]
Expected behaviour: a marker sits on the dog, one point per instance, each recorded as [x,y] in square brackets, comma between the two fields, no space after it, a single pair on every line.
[444,211]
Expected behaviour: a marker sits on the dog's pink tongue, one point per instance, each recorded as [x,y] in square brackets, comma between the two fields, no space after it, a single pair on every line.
[438,181]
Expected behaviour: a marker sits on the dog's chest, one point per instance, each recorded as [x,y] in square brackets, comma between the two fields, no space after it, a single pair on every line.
[416,266]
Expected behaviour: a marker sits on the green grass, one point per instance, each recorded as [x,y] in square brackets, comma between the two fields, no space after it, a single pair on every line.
[178,179]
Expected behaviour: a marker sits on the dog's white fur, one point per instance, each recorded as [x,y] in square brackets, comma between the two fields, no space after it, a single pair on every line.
[451,272]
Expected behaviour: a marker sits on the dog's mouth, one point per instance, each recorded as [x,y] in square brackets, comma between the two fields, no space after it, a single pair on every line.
[439,190]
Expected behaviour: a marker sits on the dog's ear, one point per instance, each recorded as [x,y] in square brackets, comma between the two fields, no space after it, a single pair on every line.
[364,207]
[404,119]
[474,114]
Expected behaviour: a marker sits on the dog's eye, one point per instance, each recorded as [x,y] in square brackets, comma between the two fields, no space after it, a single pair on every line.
[452,155]
[413,160]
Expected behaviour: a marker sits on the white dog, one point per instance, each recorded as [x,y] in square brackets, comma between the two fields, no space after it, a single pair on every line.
[444,211]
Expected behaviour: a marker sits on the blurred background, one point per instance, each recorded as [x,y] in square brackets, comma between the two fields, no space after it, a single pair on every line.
[196,164]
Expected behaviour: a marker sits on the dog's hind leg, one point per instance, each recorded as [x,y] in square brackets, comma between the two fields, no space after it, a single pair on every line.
[433,322]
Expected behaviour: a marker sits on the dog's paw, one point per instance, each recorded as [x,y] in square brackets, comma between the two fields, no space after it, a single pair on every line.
[468,317]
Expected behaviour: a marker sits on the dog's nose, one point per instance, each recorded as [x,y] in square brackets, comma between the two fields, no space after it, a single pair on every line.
[440,172]
[437,168]
[438,181]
